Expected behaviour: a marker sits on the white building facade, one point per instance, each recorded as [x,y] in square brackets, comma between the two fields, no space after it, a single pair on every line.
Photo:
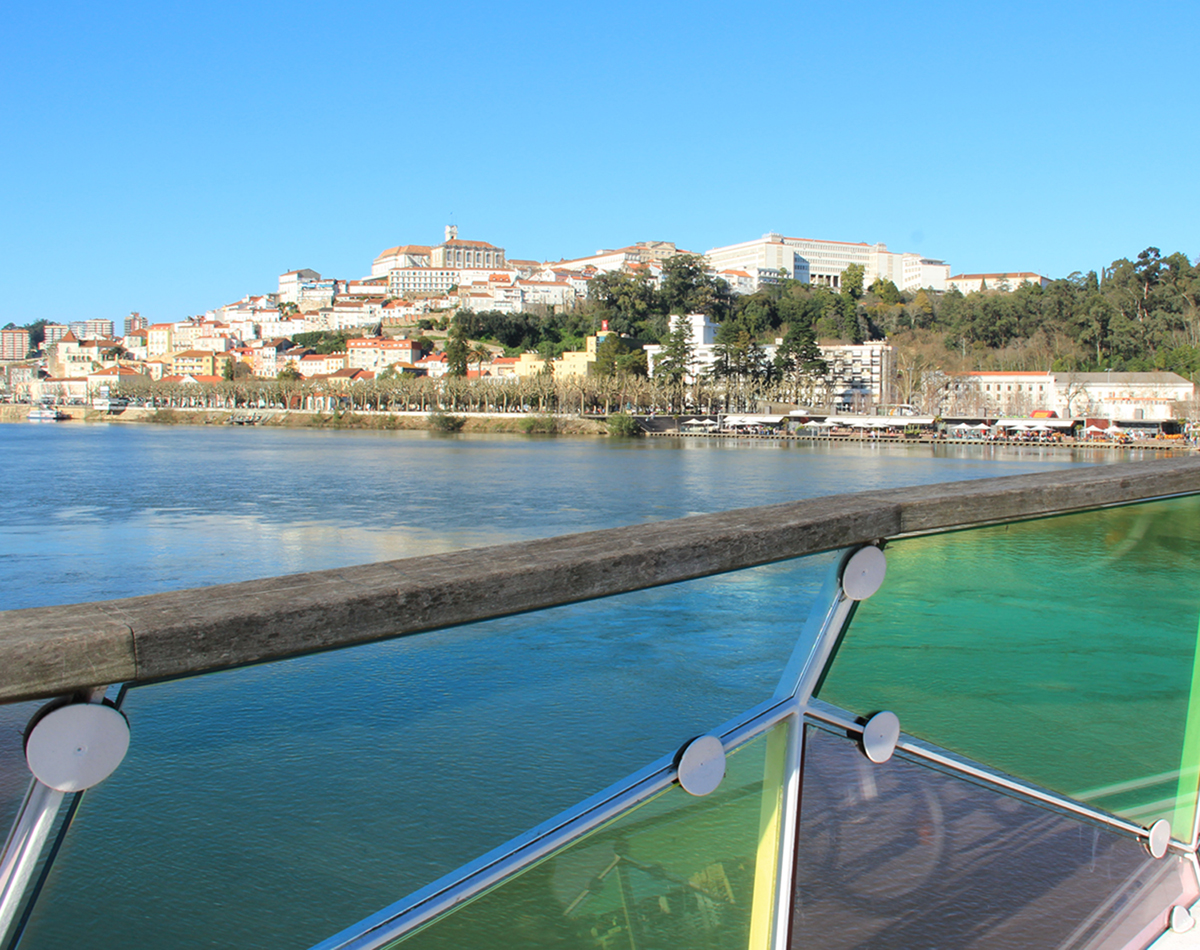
[808,260]
[972,283]
[1121,397]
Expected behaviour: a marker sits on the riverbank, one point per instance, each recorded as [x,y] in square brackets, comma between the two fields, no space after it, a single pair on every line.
[527,423]
[517,423]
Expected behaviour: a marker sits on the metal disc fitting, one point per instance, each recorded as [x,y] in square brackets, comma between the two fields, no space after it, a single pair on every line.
[74,747]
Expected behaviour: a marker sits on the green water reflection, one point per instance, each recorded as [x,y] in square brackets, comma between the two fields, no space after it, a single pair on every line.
[1061,651]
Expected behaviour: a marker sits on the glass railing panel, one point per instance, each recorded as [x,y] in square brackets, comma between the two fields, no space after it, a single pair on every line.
[14,773]
[901,855]
[1061,651]
[674,872]
[285,802]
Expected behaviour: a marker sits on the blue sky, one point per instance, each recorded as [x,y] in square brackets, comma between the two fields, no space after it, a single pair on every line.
[168,158]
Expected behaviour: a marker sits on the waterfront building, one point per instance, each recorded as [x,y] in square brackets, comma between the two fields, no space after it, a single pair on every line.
[113,375]
[578,362]
[1130,397]
[1126,397]
[16,377]
[860,376]
[14,344]
[972,283]
[59,389]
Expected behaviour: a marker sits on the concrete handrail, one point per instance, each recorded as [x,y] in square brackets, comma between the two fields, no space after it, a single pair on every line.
[50,651]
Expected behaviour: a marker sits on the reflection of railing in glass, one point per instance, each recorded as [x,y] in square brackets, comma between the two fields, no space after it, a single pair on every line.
[908,850]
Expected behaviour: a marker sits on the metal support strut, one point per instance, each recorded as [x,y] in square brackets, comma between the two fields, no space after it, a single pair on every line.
[69,747]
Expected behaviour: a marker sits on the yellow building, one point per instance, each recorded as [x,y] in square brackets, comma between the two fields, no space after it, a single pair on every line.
[578,362]
[529,364]
[193,363]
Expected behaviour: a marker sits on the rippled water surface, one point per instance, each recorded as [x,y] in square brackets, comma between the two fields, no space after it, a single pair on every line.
[94,512]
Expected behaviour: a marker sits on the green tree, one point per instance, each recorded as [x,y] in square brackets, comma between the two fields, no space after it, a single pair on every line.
[289,372]
[675,362]
[627,301]
[799,363]
[852,281]
[633,364]
[687,287]
[607,352]
[480,354]
[886,291]
[37,334]
[458,350]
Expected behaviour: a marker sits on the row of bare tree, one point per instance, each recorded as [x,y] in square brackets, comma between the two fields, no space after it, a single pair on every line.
[543,394]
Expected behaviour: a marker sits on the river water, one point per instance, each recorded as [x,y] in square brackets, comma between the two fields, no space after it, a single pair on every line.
[275,805]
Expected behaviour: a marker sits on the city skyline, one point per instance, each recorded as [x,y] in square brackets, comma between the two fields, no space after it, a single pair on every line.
[170,162]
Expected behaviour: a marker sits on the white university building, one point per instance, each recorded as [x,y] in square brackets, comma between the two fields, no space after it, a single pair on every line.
[774,256]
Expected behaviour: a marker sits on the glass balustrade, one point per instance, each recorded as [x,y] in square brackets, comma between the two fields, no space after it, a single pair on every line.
[1062,651]
[14,774]
[676,871]
[1053,661]
[901,855]
[335,784]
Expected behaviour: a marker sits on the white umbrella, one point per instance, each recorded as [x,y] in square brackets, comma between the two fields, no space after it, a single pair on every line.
[1094,429]
[962,425]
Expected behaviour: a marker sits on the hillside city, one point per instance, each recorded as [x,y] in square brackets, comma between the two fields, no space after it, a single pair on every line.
[772,323]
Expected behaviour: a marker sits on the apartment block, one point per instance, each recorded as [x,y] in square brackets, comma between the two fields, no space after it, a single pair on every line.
[14,344]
